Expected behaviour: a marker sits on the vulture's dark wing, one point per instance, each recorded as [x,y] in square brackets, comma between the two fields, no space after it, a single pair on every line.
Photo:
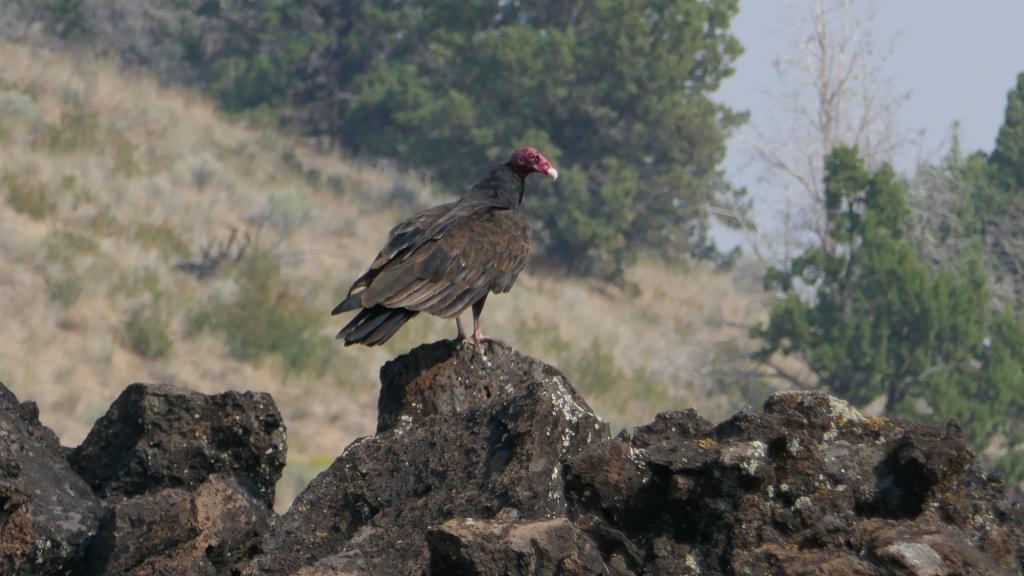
[443,260]
[404,235]
[483,252]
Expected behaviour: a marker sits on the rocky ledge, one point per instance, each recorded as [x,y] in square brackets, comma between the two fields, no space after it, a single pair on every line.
[489,462]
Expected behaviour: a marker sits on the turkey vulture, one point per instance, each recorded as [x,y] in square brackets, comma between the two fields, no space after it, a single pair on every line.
[448,257]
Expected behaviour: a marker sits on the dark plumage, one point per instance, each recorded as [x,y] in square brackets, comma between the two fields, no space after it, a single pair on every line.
[447,258]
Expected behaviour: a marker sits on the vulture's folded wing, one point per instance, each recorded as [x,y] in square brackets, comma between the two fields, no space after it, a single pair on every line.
[409,232]
[443,275]
[405,235]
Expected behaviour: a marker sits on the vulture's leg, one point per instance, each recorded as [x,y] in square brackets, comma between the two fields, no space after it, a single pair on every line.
[478,307]
[458,324]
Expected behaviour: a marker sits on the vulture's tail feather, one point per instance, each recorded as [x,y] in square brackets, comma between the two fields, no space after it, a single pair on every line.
[373,326]
[350,303]
[387,329]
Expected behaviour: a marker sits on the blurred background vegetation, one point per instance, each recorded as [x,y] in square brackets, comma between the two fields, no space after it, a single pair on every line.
[616,94]
[188,187]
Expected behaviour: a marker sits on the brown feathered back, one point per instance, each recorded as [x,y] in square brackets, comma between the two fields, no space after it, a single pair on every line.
[442,260]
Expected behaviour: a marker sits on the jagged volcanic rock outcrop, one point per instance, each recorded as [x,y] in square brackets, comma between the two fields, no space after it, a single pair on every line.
[155,436]
[463,432]
[188,479]
[181,483]
[488,462]
[809,486]
[47,512]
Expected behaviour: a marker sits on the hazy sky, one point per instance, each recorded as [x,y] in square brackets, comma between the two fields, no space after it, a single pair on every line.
[957,59]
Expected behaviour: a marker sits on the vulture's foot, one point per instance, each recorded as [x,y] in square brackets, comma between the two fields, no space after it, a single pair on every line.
[479,338]
[475,339]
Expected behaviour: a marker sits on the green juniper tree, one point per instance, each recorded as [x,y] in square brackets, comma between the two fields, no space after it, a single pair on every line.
[995,202]
[977,203]
[615,92]
[870,317]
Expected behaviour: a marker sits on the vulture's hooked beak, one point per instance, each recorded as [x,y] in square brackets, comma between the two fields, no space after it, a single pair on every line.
[552,173]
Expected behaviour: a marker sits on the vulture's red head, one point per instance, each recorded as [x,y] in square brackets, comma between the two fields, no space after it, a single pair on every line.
[526,161]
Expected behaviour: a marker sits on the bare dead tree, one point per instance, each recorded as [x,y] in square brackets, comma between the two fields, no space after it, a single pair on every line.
[213,255]
[936,197]
[832,92]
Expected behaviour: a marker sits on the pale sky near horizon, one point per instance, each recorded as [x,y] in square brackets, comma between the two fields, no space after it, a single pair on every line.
[957,60]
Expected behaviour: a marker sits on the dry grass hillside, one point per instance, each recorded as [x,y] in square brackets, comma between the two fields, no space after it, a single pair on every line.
[107,180]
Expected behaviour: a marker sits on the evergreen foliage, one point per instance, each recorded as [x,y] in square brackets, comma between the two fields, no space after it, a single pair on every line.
[994,205]
[1008,157]
[614,92]
[882,321]
[977,203]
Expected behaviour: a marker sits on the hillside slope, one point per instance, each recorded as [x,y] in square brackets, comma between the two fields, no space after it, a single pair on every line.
[108,180]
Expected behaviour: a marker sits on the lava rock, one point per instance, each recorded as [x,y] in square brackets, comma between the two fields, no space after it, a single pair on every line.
[160,436]
[466,547]
[474,431]
[47,513]
[173,531]
[809,486]
[447,377]
[488,462]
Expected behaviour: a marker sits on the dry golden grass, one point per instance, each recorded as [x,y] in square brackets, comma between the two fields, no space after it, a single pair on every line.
[108,179]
